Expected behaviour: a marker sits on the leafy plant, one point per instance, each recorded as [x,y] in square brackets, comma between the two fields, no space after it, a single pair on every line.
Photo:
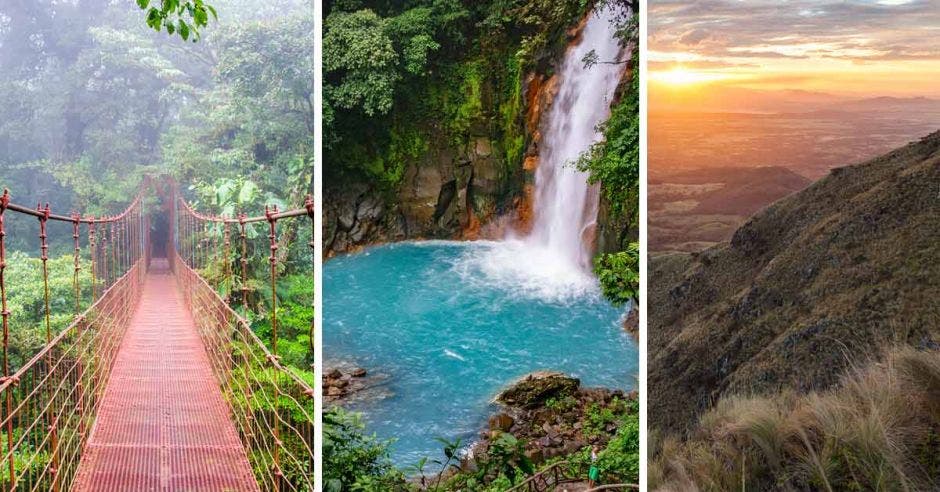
[353,460]
[183,17]
[506,456]
[619,274]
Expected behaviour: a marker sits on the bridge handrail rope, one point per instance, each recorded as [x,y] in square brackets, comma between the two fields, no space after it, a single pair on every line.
[271,404]
[48,403]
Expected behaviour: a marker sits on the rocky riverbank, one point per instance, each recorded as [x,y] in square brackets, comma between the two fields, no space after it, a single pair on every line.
[554,416]
[345,383]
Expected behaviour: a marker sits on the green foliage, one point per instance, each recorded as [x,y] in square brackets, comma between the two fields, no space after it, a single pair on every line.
[619,274]
[615,161]
[599,417]
[353,460]
[26,300]
[511,109]
[434,68]
[257,124]
[619,461]
[185,17]
[506,456]
[359,56]
[562,404]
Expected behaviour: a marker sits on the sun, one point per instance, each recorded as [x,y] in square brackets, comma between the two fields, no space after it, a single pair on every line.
[681,76]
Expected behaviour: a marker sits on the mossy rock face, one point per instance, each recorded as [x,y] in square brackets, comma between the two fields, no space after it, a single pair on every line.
[534,389]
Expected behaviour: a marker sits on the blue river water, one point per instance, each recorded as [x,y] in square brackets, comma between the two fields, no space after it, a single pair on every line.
[447,336]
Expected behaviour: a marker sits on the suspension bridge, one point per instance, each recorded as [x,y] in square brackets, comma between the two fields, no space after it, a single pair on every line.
[158,381]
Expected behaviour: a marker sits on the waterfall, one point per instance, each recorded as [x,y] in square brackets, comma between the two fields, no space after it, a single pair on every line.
[553,260]
[565,205]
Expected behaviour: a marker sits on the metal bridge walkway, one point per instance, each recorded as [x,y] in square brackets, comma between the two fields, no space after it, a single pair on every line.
[163,423]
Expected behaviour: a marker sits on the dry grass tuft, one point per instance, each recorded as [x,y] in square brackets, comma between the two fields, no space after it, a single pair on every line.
[878,430]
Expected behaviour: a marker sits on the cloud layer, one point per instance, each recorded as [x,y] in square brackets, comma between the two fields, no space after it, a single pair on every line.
[855,30]
[850,47]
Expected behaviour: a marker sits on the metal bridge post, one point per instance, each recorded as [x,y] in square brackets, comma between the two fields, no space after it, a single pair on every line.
[93,254]
[244,260]
[75,285]
[272,236]
[53,418]
[5,314]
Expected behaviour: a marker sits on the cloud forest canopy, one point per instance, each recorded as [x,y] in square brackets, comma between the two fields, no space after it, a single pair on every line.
[91,99]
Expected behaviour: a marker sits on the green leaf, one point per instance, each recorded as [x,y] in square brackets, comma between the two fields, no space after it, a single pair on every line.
[248,192]
[154,19]
[200,16]
[143,4]
[184,29]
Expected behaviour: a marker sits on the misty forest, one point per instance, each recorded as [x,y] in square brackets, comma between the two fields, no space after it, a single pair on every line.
[102,101]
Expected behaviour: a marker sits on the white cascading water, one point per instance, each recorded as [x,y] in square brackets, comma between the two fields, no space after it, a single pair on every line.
[553,260]
[565,205]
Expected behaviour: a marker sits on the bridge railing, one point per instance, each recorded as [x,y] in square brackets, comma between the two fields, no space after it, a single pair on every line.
[272,406]
[49,403]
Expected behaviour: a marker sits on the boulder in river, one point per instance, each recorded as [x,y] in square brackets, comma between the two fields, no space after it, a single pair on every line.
[535,388]
[501,422]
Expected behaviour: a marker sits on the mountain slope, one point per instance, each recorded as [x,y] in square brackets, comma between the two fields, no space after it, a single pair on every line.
[823,277]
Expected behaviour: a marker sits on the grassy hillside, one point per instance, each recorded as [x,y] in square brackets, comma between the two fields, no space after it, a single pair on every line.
[823,277]
[877,430]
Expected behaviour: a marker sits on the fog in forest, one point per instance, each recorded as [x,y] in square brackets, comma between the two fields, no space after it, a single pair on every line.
[92,99]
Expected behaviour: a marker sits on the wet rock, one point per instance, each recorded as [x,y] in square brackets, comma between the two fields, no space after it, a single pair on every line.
[483,147]
[334,374]
[371,208]
[534,389]
[358,373]
[535,455]
[501,421]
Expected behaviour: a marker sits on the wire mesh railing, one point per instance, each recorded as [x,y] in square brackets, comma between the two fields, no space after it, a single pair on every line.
[49,403]
[271,402]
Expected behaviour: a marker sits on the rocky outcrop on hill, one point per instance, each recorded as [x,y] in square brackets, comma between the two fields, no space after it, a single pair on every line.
[823,278]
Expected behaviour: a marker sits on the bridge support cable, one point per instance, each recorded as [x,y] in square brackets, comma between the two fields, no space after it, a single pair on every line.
[272,404]
[49,402]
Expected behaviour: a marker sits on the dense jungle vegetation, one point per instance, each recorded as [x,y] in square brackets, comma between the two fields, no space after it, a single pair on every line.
[398,77]
[93,98]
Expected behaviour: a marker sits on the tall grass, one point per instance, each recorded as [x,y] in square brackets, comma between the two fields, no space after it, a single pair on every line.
[878,430]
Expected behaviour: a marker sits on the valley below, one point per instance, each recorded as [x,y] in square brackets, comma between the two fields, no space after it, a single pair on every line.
[711,170]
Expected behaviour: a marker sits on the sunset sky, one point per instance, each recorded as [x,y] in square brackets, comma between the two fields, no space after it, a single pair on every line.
[853,48]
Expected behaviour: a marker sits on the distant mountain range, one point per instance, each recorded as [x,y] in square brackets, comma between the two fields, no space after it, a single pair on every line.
[714,98]
[828,275]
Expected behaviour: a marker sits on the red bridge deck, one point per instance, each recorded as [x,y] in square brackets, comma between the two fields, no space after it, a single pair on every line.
[163,424]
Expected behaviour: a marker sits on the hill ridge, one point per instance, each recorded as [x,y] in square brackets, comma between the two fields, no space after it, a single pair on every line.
[822,277]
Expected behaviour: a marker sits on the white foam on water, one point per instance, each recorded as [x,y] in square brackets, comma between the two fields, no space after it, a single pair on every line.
[454,355]
[518,268]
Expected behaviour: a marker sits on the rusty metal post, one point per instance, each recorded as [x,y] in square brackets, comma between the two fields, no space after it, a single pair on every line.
[113,255]
[272,236]
[226,259]
[94,252]
[53,419]
[103,256]
[243,235]
[308,204]
[5,314]
[76,221]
